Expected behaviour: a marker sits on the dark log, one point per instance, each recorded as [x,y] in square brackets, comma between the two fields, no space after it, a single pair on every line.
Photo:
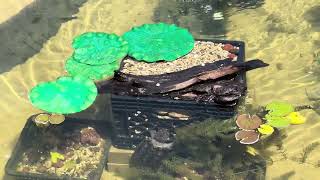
[222,92]
[150,152]
[158,84]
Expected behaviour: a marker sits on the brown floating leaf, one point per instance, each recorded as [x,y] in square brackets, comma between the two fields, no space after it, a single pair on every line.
[42,120]
[247,122]
[56,118]
[247,136]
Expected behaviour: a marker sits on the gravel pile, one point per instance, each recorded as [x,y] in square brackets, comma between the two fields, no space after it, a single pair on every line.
[203,52]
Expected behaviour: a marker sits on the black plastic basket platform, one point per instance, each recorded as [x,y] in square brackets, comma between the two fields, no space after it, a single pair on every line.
[134,117]
[29,132]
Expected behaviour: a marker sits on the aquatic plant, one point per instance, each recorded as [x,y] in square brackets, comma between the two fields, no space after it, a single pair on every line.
[96,56]
[94,72]
[277,121]
[248,125]
[55,156]
[247,136]
[296,118]
[66,95]
[98,48]
[307,150]
[42,120]
[247,122]
[275,115]
[279,108]
[45,119]
[281,114]
[265,129]
[155,42]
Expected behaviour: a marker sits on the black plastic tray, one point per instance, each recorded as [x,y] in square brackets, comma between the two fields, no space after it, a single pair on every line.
[28,132]
[125,108]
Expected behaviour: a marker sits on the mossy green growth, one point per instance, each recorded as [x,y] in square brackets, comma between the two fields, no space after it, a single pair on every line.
[98,48]
[94,72]
[155,42]
[64,96]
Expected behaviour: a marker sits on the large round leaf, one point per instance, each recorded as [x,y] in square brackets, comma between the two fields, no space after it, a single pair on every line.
[154,42]
[94,72]
[97,48]
[65,95]
[279,108]
[277,121]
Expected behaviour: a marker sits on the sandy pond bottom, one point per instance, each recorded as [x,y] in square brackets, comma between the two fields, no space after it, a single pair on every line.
[276,32]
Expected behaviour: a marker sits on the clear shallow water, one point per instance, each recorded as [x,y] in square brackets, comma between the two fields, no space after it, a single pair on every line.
[284,34]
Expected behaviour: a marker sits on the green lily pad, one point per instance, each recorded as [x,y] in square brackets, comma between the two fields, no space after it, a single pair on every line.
[64,96]
[277,121]
[74,68]
[97,48]
[279,108]
[154,42]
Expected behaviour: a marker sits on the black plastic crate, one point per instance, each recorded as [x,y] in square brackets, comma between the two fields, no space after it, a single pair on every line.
[130,127]
[29,131]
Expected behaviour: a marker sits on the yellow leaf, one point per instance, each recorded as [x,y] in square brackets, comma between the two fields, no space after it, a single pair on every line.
[55,156]
[251,150]
[296,118]
[265,129]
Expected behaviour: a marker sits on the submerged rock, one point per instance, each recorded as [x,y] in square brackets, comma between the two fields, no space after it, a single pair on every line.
[151,151]
[89,136]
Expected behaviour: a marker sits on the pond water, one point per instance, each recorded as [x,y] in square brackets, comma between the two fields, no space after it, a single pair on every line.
[36,42]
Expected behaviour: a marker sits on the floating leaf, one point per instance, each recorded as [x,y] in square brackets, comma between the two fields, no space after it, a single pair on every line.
[247,136]
[279,108]
[42,120]
[265,129]
[245,121]
[94,72]
[65,95]
[56,118]
[97,48]
[55,156]
[296,118]
[251,150]
[155,42]
[277,121]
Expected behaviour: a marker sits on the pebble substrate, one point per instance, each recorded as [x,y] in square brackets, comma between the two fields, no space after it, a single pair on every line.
[82,155]
[203,52]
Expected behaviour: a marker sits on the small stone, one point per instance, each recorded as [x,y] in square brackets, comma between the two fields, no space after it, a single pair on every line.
[158,84]
[89,136]
[228,47]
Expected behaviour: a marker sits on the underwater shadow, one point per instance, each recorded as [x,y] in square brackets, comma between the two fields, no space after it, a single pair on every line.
[24,34]
[201,17]
[312,16]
